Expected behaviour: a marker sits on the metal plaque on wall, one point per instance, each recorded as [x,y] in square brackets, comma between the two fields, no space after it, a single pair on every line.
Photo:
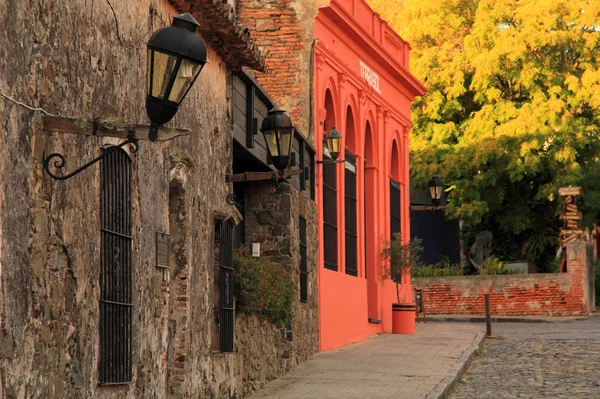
[162,250]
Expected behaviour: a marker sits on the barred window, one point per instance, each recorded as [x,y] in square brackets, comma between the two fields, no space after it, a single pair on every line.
[330,229]
[224,324]
[115,269]
[350,214]
[303,265]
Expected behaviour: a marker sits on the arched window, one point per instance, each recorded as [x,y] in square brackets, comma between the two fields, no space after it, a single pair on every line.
[350,195]
[330,228]
[395,216]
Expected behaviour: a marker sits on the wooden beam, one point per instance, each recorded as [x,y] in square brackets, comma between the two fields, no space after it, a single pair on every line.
[108,128]
[257,176]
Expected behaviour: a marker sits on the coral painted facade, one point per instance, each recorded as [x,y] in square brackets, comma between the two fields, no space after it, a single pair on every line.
[363,87]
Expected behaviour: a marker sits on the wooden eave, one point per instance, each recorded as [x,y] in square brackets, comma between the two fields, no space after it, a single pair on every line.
[223,32]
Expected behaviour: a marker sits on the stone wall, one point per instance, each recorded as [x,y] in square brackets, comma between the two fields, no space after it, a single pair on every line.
[67,58]
[556,294]
[272,219]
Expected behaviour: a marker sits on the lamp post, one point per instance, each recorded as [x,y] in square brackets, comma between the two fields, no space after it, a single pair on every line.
[176,55]
[436,186]
[278,130]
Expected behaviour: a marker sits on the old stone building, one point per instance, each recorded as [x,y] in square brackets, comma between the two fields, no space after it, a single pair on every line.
[68,245]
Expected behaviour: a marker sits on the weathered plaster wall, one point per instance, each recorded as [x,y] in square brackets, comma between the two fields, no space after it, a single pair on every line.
[272,219]
[66,58]
[564,294]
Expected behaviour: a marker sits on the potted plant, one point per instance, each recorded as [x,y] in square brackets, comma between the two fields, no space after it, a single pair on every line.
[398,257]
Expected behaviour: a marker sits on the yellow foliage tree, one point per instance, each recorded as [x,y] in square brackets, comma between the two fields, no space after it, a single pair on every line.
[512,112]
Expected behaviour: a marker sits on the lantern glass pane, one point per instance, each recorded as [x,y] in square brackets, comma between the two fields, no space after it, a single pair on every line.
[285,140]
[271,140]
[163,65]
[334,144]
[438,192]
[187,73]
[432,190]
[149,72]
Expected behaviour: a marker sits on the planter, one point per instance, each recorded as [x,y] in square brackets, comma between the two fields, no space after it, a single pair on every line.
[403,318]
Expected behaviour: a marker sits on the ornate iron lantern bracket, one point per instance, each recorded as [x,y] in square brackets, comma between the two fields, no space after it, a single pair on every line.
[60,162]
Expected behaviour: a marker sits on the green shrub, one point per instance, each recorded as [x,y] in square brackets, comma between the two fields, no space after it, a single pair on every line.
[492,266]
[437,270]
[263,287]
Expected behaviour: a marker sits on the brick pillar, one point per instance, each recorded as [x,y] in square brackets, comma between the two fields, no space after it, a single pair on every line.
[580,267]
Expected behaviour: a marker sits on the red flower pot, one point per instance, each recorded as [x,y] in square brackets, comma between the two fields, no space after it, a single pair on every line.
[403,318]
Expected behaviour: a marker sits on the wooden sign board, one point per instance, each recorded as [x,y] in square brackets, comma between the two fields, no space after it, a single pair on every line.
[572,224]
[568,239]
[571,208]
[570,215]
[568,232]
[564,191]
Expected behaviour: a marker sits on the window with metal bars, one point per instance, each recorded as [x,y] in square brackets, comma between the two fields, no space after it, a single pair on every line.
[350,214]
[395,217]
[115,269]
[303,265]
[394,208]
[330,229]
[223,333]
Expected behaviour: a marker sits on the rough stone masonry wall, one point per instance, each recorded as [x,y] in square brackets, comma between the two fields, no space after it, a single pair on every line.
[556,294]
[272,219]
[285,29]
[66,58]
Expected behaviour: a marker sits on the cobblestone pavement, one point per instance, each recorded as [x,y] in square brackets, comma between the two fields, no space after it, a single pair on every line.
[384,366]
[536,360]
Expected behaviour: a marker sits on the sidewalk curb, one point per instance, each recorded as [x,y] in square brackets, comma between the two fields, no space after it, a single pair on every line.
[503,319]
[447,385]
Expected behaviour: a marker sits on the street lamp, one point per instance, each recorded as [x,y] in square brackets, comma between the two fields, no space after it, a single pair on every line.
[278,130]
[334,145]
[176,55]
[436,186]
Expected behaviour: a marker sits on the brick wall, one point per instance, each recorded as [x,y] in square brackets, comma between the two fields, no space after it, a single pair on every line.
[552,294]
[284,29]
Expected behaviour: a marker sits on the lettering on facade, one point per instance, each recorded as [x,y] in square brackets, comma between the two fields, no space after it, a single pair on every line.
[370,76]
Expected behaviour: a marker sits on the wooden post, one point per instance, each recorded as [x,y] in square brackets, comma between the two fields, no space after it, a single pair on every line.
[488,320]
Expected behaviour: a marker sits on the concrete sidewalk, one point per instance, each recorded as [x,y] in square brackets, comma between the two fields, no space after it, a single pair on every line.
[424,365]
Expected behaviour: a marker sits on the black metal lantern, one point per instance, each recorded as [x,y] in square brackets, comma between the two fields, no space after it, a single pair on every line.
[334,142]
[278,130]
[436,186]
[176,55]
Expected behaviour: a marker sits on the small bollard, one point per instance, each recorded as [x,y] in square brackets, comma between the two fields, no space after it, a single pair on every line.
[488,320]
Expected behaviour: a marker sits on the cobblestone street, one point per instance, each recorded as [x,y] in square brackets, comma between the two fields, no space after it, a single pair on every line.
[536,360]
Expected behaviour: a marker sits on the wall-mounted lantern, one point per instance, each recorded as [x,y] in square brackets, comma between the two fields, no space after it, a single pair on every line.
[436,186]
[278,130]
[176,55]
[334,144]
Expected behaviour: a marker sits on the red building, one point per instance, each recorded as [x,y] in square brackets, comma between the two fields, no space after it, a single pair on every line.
[364,88]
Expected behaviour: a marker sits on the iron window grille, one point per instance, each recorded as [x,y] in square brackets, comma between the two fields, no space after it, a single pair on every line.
[395,217]
[330,228]
[116,269]
[350,214]
[303,265]
[225,312]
